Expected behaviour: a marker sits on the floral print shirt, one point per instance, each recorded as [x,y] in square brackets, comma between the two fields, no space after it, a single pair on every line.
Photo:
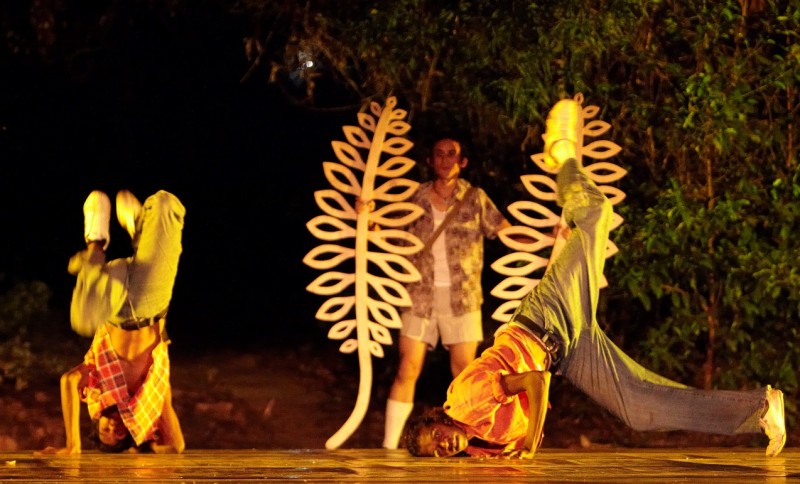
[477,217]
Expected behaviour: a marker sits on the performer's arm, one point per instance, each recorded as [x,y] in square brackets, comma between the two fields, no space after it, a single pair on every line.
[70,409]
[170,428]
[71,406]
[537,386]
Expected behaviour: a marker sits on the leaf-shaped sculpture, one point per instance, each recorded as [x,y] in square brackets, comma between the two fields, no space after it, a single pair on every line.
[371,298]
[521,266]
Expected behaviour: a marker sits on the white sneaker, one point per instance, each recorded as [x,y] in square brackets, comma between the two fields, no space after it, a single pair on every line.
[773,422]
[128,211]
[561,132]
[96,214]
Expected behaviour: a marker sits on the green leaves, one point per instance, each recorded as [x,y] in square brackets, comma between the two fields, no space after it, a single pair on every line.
[22,308]
[723,274]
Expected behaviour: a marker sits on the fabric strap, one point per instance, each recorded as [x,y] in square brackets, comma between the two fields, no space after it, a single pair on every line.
[447,218]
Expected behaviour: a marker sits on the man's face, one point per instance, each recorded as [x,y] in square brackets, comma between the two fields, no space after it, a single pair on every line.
[446,159]
[441,440]
[110,429]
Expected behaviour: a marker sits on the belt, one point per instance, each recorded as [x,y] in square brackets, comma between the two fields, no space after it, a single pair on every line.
[134,324]
[549,339]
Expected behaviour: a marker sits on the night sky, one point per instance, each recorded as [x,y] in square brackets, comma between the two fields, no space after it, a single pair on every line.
[243,160]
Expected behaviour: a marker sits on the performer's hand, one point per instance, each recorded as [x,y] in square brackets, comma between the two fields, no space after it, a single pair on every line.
[76,262]
[362,205]
[560,231]
[517,454]
[366,206]
[50,450]
[93,254]
[163,449]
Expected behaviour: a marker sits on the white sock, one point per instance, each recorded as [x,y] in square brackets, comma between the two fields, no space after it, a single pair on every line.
[396,415]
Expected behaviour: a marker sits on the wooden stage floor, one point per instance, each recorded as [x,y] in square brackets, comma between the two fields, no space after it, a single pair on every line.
[378,465]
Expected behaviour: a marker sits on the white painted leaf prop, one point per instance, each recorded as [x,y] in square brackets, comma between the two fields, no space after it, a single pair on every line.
[370,164]
[522,266]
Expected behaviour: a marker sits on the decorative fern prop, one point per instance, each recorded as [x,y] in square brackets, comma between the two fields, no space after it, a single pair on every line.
[369,304]
[520,266]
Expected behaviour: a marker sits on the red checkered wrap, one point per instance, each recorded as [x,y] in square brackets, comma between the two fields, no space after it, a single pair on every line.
[106,387]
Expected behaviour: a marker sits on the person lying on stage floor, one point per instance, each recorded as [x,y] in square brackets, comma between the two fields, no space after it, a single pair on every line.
[497,405]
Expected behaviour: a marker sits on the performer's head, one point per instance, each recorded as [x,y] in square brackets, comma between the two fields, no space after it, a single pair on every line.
[109,432]
[434,434]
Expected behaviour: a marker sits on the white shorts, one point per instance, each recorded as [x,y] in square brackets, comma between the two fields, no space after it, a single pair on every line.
[452,329]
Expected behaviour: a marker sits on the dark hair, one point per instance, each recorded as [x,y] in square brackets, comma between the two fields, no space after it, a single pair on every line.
[94,436]
[416,425]
[456,135]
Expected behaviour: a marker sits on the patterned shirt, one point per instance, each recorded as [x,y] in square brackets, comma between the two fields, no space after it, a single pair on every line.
[106,387]
[477,217]
[477,402]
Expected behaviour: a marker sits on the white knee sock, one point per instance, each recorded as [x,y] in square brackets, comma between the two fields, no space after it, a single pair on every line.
[396,415]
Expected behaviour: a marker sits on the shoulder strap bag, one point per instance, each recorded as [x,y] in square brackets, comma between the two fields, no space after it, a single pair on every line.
[447,219]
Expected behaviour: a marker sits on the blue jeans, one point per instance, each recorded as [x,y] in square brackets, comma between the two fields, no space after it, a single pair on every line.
[565,302]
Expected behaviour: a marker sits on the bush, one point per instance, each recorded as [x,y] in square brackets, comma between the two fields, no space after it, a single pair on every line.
[21,306]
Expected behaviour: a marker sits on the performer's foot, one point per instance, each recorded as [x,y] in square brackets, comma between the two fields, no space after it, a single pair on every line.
[773,422]
[96,214]
[561,132]
[128,211]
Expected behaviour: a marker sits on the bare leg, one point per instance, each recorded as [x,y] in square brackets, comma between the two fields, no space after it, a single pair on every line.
[401,396]
[461,355]
[412,358]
